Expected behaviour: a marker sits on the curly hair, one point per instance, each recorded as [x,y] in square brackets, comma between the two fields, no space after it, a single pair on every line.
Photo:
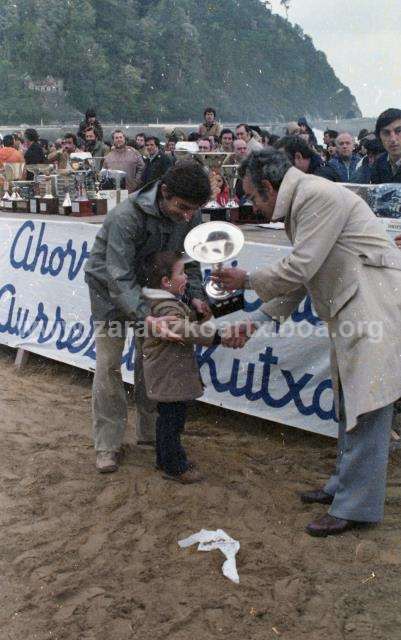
[187,180]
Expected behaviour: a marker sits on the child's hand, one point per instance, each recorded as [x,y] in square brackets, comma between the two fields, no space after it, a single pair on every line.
[162,328]
[202,308]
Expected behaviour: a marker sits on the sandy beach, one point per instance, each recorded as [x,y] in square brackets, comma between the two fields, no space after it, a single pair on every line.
[90,557]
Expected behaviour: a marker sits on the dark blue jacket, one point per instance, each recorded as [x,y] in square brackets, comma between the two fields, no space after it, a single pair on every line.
[346,171]
[364,172]
[382,171]
[320,168]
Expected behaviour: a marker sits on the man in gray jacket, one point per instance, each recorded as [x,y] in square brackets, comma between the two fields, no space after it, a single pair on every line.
[156,218]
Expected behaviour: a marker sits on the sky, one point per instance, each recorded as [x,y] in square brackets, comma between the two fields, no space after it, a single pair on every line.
[362,42]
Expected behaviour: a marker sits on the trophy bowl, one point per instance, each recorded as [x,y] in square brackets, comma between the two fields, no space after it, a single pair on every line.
[14,170]
[40,169]
[214,243]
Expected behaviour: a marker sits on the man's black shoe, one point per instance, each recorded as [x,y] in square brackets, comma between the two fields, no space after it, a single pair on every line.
[309,497]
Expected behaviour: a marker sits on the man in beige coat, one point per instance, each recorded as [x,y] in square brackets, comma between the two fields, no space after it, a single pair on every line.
[344,260]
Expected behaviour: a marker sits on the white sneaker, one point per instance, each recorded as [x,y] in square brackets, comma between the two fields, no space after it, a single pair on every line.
[106,461]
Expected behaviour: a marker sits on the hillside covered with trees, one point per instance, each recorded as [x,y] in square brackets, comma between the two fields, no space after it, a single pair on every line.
[139,60]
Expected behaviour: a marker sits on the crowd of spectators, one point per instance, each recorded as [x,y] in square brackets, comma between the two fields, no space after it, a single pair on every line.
[372,157]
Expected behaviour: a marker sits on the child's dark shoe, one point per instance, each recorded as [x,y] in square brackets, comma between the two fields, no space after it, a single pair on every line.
[190,476]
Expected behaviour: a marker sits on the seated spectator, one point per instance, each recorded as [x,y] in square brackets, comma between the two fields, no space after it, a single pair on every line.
[90,121]
[193,136]
[331,151]
[346,161]
[34,153]
[62,155]
[240,151]
[170,148]
[387,167]
[265,137]
[210,126]
[124,158]
[156,162]
[222,193]
[292,129]
[330,135]
[373,148]
[8,152]
[273,139]
[244,132]
[19,141]
[306,129]
[140,144]
[204,145]
[226,141]
[304,158]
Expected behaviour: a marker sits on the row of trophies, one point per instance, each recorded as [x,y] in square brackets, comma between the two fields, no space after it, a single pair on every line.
[74,191]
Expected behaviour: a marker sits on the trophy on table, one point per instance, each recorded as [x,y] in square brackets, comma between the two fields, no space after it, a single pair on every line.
[230,174]
[213,161]
[117,177]
[214,243]
[14,171]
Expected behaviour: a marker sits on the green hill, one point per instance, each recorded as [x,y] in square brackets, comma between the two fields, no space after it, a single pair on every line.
[139,60]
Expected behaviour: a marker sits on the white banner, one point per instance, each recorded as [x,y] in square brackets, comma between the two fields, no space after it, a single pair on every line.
[44,308]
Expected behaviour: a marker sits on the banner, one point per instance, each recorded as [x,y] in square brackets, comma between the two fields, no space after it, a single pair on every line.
[44,308]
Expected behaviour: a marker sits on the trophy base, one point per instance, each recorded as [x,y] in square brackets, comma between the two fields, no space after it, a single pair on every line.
[229,305]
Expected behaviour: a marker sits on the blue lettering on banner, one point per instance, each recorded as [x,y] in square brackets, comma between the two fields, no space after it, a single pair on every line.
[78,339]
[29,252]
[293,387]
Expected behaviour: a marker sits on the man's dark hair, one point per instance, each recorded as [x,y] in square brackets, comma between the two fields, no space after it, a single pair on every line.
[386,118]
[294,144]
[187,180]
[95,131]
[8,140]
[140,134]
[193,136]
[362,134]
[90,113]
[332,133]
[31,135]
[247,127]
[273,139]
[209,110]
[225,131]
[44,143]
[372,146]
[155,138]
[72,136]
[158,265]
[267,164]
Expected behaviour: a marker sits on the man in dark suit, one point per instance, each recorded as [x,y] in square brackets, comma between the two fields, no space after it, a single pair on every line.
[157,162]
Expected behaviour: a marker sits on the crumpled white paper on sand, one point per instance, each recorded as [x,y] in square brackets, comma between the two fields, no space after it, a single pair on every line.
[210,540]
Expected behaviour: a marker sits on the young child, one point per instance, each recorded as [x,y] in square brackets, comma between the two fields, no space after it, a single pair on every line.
[170,368]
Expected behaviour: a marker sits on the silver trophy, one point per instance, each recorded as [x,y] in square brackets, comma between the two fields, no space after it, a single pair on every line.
[212,160]
[13,171]
[214,243]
